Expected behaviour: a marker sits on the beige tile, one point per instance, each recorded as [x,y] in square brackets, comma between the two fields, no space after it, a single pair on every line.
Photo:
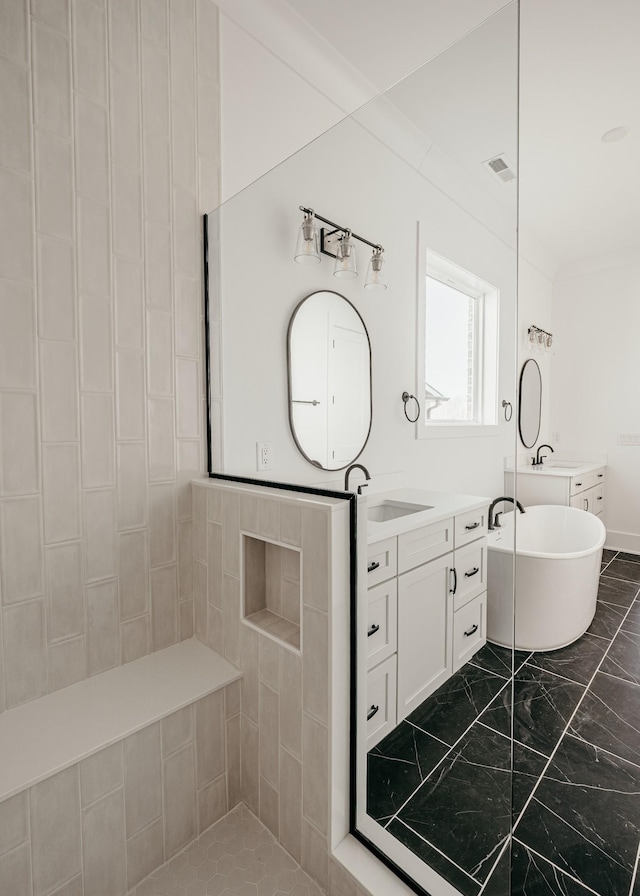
[250,763]
[127,211]
[59,378]
[273,577]
[316,558]
[208,118]
[65,595]
[210,738]
[185,559]
[123,34]
[182,30]
[53,12]
[51,80]
[54,185]
[14,821]
[187,382]
[215,361]
[157,179]
[185,232]
[177,730]
[61,488]
[291,804]
[157,242]
[19,443]
[214,564]
[179,800]
[269,518]
[207,36]
[269,807]
[132,485]
[55,830]
[201,612]
[135,638]
[291,561]
[145,853]
[129,295]
[315,648]
[255,583]
[291,601]
[340,881]
[13,31]
[249,665]
[162,519]
[142,779]
[187,290]
[16,234]
[183,144]
[100,534]
[72,888]
[187,623]
[160,353]
[216,635]
[102,627]
[232,699]
[199,524]
[315,859]
[91,149]
[249,507]
[155,88]
[125,116]
[104,859]
[101,774]
[234,749]
[21,549]
[164,606]
[94,247]
[212,803]
[133,574]
[89,51]
[56,289]
[162,458]
[153,16]
[96,345]
[291,702]
[15,871]
[67,663]
[291,524]
[15,109]
[315,773]
[269,735]
[130,404]
[270,663]
[98,446]
[25,660]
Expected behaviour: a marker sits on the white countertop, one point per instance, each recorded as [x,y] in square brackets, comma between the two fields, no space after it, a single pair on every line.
[441,505]
[560,468]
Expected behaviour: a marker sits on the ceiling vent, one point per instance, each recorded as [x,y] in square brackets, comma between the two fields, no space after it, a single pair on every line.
[501,167]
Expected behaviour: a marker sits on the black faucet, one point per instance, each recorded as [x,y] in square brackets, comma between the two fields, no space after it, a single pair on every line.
[494,521]
[537,460]
[346,477]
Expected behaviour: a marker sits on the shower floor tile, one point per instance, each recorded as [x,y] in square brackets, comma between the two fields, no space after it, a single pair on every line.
[609,717]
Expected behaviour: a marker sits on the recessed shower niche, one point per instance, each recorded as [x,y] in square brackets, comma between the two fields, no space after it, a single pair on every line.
[272,594]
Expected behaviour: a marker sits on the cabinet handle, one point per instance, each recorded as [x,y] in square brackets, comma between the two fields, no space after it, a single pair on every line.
[599,498]
[373,630]
[455,581]
[471,631]
[373,566]
[472,526]
[586,502]
[578,483]
[600,475]
[472,572]
[372,712]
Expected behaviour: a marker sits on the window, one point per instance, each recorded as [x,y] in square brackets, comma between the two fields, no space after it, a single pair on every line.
[458,362]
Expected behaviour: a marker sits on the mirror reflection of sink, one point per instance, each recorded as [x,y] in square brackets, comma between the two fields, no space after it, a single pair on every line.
[391,510]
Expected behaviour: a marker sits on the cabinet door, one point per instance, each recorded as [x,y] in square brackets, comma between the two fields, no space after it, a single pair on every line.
[425,619]
[586,500]
[382,622]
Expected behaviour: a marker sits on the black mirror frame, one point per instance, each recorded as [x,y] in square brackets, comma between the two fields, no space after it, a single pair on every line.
[524,367]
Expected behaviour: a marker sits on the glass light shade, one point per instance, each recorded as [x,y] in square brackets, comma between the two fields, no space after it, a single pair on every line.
[307,247]
[375,276]
[345,266]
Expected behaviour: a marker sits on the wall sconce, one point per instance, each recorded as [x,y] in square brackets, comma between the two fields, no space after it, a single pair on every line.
[337,243]
[539,340]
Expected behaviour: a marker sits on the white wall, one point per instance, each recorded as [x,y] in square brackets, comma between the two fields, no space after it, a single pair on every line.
[596,377]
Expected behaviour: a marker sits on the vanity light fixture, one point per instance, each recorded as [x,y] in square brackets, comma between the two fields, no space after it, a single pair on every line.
[539,339]
[337,242]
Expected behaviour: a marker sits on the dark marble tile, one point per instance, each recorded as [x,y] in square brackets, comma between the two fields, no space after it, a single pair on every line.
[464,807]
[527,768]
[397,766]
[623,555]
[543,705]
[607,620]
[616,591]
[449,711]
[501,660]
[585,817]
[632,622]
[623,658]
[531,875]
[577,661]
[445,868]
[499,882]
[628,570]
[608,554]
[609,717]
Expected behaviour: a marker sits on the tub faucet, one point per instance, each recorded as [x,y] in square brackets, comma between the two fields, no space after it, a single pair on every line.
[537,460]
[494,521]
[362,484]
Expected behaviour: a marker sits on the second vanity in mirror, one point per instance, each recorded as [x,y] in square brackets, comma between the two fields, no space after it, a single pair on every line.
[578,484]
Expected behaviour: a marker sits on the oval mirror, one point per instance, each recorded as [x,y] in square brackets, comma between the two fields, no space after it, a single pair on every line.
[329,367]
[530,401]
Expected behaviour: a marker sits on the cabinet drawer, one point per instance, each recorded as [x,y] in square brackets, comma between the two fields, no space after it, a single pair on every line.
[471,572]
[581,483]
[587,500]
[382,622]
[382,560]
[469,526]
[381,701]
[423,544]
[598,499]
[469,630]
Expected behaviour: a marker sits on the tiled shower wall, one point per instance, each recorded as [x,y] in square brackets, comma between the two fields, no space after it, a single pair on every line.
[108,155]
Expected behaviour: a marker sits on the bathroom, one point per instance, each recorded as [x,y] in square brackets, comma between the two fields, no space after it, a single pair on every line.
[102,415]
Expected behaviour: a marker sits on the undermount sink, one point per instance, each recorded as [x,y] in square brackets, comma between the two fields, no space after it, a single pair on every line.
[391,510]
[558,467]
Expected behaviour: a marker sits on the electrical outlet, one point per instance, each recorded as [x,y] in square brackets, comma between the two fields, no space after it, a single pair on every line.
[263,456]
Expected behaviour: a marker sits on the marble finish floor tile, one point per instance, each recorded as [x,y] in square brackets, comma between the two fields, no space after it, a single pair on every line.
[448,712]
[616,591]
[584,817]
[577,661]
[628,570]
[542,707]
[531,875]
[632,622]
[607,621]
[499,660]
[608,555]
[623,658]
[609,717]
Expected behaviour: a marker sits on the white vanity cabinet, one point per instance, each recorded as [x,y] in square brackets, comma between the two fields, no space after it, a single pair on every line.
[426,613]
[578,485]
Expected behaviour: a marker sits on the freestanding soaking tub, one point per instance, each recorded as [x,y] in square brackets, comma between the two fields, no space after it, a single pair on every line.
[557,565]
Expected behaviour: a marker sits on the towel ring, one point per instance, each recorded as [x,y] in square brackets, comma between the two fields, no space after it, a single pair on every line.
[406,398]
[507,404]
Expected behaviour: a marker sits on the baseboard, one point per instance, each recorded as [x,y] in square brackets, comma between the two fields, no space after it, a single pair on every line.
[623,541]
